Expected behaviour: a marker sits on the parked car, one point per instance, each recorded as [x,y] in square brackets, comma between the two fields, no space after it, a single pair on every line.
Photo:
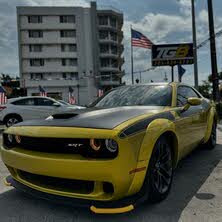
[32,107]
[116,154]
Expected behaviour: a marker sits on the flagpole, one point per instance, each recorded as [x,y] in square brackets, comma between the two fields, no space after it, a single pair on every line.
[131,56]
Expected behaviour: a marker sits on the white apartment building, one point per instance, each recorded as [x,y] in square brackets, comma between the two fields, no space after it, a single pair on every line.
[70,46]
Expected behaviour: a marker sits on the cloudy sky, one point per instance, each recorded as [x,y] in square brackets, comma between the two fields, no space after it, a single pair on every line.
[163,21]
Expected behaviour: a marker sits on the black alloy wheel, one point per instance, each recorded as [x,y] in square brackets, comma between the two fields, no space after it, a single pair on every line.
[160,172]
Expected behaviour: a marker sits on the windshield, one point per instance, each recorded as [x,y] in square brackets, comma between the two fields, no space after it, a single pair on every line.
[140,95]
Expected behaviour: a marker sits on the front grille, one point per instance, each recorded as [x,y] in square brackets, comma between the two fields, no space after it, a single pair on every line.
[55,145]
[60,184]
[59,146]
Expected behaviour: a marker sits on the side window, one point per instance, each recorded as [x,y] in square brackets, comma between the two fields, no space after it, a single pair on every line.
[44,102]
[183,93]
[24,102]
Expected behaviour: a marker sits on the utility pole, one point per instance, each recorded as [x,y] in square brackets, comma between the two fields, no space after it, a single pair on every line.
[194,44]
[213,52]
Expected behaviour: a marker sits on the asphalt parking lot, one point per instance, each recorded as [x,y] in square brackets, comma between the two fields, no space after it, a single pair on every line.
[196,195]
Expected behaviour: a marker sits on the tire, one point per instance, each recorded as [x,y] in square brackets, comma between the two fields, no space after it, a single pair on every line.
[12,119]
[212,142]
[160,172]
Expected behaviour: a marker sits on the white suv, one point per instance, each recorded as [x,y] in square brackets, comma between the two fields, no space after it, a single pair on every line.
[32,107]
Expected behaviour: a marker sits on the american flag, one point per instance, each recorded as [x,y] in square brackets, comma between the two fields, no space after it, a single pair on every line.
[42,92]
[100,92]
[3,98]
[140,40]
[71,99]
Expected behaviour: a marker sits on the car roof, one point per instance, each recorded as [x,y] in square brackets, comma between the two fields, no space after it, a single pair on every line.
[27,97]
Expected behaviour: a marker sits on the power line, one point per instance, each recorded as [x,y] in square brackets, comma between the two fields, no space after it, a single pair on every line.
[205,42]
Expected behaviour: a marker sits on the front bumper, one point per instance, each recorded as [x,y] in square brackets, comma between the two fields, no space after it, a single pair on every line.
[122,206]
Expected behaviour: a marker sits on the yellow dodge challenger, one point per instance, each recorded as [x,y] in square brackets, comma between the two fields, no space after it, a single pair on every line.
[117,153]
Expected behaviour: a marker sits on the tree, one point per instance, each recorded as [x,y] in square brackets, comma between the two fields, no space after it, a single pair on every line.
[206,89]
[5,78]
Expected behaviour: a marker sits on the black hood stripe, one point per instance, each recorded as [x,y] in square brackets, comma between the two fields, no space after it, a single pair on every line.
[93,118]
[142,124]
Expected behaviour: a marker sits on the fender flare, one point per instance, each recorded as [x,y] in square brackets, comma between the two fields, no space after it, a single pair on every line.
[154,130]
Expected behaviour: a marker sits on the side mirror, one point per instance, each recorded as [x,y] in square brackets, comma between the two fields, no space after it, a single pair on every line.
[192,101]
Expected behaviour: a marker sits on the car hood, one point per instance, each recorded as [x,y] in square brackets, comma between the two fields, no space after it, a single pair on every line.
[97,118]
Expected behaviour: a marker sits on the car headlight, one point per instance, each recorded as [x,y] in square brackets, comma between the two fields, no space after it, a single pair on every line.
[9,141]
[104,147]
[111,145]
[10,138]
[95,144]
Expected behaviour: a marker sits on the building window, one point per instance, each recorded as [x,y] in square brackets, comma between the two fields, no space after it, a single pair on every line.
[35,48]
[35,19]
[103,35]
[36,76]
[68,48]
[103,20]
[69,62]
[104,62]
[113,22]
[74,75]
[67,19]
[67,33]
[113,36]
[63,62]
[64,75]
[104,48]
[35,34]
[36,62]
[63,47]
[72,48]
[114,63]
[73,62]
[114,49]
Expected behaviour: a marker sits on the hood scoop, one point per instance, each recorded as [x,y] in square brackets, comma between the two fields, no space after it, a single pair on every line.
[64,115]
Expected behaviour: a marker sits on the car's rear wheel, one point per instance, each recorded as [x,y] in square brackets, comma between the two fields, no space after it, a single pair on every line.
[212,142]
[12,119]
[160,172]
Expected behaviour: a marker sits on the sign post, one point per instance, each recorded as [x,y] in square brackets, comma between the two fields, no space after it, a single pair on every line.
[172,73]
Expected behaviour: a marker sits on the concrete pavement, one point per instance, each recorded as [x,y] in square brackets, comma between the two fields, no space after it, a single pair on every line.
[196,195]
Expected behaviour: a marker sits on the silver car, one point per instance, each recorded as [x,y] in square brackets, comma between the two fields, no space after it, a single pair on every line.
[31,107]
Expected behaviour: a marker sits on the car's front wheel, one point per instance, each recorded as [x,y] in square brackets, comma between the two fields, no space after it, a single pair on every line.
[160,172]
[11,120]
